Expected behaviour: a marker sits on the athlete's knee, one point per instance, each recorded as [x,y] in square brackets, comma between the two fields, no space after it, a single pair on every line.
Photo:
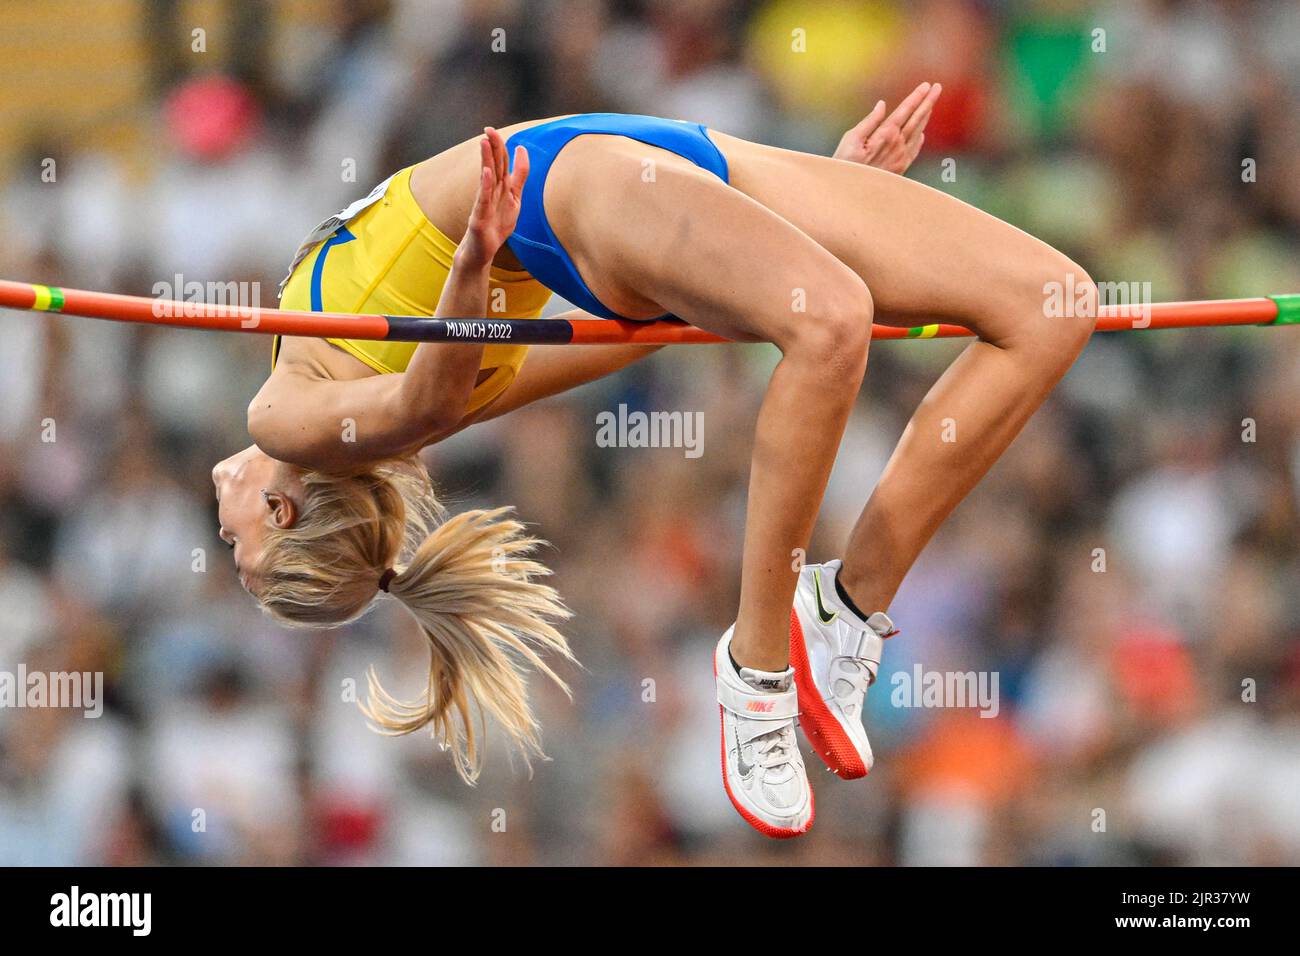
[1069,306]
[1044,305]
[836,329]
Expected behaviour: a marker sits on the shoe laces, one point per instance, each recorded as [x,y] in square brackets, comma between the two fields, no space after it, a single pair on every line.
[773,749]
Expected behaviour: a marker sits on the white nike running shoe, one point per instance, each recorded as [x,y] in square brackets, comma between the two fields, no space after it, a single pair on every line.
[835,655]
[762,768]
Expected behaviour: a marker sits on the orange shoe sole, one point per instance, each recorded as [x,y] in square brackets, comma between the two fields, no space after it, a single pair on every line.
[819,725]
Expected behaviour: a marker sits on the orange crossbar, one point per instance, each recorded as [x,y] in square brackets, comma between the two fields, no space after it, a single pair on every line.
[1268,310]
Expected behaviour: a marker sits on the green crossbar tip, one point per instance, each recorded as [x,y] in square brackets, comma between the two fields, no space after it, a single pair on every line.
[1288,309]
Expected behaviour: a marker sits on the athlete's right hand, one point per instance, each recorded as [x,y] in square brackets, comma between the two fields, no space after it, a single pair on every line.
[496,209]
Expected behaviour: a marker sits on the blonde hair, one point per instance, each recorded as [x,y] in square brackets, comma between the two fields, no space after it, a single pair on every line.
[467,579]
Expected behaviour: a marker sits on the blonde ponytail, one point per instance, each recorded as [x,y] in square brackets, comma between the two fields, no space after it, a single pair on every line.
[469,580]
[473,588]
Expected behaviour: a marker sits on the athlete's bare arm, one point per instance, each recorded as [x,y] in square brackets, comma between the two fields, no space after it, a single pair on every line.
[302,416]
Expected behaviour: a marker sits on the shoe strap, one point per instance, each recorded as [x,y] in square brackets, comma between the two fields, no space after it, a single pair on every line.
[757,705]
[871,641]
[881,625]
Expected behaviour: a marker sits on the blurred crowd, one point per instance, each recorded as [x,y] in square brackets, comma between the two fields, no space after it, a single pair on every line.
[1129,570]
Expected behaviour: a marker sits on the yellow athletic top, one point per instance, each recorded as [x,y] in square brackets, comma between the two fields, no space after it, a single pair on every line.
[386,258]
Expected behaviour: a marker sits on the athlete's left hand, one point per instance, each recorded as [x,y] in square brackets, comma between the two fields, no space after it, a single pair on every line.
[496,209]
[892,143]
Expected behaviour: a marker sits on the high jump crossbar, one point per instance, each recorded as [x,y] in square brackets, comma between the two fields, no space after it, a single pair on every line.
[1272,310]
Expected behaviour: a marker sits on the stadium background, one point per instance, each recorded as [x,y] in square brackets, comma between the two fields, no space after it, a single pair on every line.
[1120,691]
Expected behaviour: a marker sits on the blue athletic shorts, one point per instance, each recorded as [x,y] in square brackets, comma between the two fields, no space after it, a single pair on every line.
[533,241]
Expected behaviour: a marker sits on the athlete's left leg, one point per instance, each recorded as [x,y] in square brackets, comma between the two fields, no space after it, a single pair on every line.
[928,257]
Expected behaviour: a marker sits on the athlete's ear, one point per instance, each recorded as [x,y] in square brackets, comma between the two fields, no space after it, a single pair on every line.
[283,510]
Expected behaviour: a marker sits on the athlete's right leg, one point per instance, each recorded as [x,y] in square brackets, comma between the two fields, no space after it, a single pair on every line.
[687,244]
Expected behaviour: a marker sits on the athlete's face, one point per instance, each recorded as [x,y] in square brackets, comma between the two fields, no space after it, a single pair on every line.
[255,493]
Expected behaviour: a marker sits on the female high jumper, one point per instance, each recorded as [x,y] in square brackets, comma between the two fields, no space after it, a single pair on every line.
[638,217]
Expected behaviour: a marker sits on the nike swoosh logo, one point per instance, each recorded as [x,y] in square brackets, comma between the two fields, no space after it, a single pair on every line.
[821,608]
[742,767]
